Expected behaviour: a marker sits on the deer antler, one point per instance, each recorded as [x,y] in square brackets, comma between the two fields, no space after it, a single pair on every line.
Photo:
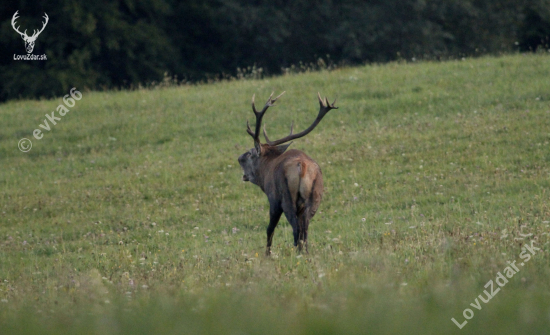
[35,34]
[259,115]
[13,19]
[324,108]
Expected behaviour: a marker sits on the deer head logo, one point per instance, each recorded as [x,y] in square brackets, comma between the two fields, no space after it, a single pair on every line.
[29,40]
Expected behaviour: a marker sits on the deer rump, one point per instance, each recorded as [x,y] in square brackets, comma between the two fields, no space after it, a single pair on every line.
[302,187]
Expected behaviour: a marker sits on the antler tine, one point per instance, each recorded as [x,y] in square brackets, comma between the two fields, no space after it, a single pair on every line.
[254,106]
[268,103]
[43,25]
[265,135]
[259,115]
[248,129]
[13,19]
[277,97]
[271,102]
[269,99]
[324,108]
[267,138]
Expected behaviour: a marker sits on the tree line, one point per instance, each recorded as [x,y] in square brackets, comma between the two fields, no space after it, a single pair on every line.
[125,43]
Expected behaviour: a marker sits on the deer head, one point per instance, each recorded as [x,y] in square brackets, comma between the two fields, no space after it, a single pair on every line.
[250,160]
[29,40]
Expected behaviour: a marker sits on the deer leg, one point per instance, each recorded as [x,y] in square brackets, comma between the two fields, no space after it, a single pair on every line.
[303,223]
[293,220]
[275,212]
[290,213]
[297,233]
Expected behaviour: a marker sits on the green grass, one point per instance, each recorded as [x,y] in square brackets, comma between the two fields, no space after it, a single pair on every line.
[130,216]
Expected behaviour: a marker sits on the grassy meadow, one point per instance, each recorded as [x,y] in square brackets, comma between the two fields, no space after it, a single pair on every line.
[130,217]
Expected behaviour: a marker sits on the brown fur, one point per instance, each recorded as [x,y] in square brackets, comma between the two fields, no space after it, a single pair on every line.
[292,182]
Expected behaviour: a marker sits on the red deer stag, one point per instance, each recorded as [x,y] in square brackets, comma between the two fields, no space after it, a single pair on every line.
[291,180]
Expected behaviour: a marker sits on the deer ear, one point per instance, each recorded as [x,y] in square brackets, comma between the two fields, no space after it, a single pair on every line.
[282,148]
